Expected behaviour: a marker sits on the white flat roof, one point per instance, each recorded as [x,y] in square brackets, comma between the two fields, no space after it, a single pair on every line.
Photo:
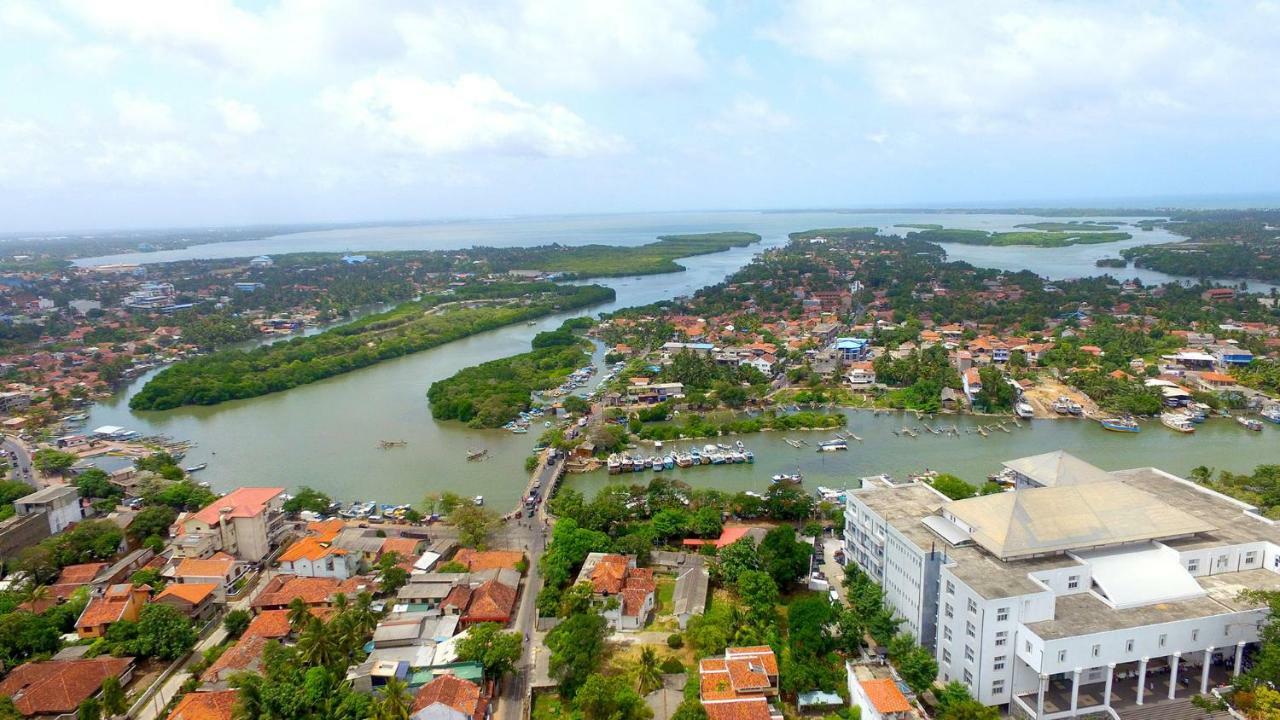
[1140,575]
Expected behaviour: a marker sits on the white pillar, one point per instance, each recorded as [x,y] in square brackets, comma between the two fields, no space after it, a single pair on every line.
[1239,659]
[1173,673]
[1106,693]
[1204,671]
[1142,678]
[1044,680]
[1075,690]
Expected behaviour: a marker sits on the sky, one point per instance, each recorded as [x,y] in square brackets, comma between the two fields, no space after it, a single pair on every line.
[154,113]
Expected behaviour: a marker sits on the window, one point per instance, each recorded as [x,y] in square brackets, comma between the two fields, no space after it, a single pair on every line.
[997,687]
[1195,635]
[951,588]
[1193,565]
[948,611]
[1073,582]
[1223,560]
[1028,645]
[1128,645]
[1097,650]
[1062,656]
[968,677]
[1002,614]
[1002,637]
[1163,640]
[970,630]
[973,606]
[946,632]
[1250,557]
[968,653]
[998,664]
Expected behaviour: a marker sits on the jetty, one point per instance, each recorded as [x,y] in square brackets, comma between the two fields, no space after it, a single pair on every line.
[387,444]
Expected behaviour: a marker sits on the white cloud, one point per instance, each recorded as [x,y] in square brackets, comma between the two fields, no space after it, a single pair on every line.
[749,114]
[90,58]
[142,114]
[20,18]
[992,66]
[878,138]
[405,114]
[239,118]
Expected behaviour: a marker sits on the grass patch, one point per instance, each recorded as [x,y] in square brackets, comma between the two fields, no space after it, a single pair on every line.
[613,261]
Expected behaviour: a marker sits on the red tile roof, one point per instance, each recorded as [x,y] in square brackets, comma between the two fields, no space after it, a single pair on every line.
[406,547]
[741,709]
[110,607]
[244,655]
[59,686]
[310,548]
[609,574]
[461,695]
[217,705]
[74,576]
[492,601]
[241,502]
[477,560]
[281,589]
[194,593]
[885,696]
[217,565]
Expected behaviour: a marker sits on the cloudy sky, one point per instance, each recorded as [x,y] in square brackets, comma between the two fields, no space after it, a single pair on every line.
[135,113]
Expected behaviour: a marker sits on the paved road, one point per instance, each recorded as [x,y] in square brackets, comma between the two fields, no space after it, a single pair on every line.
[832,569]
[21,460]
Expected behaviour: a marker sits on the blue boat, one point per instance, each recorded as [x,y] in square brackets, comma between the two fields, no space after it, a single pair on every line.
[1120,424]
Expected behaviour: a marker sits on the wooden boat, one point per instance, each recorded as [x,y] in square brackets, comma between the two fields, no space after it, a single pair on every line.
[477,454]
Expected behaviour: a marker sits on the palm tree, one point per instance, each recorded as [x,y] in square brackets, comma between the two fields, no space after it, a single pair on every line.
[249,701]
[299,615]
[316,646]
[394,702]
[366,618]
[648,671]
[35,594]
[340,602]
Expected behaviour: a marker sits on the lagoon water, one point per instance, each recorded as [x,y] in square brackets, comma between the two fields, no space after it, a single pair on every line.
[326,434]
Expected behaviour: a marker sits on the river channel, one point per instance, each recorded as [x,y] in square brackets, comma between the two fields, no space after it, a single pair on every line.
[326,434]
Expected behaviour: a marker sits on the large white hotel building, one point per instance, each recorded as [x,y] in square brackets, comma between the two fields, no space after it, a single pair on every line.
[1081,592]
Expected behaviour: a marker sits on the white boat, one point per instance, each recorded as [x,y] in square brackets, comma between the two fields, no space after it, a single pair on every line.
[196,468]
[1024,411]
[794,479]
[1178,421]
[1271,414]
[1249,423]
[657,444]
[478,500]
[832,445]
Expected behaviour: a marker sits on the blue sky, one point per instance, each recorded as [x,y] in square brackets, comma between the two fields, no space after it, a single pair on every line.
[137,113]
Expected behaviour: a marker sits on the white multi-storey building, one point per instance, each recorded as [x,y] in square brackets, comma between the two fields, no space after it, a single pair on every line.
[1080,592]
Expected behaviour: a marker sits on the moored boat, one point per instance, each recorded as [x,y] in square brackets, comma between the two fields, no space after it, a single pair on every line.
[832,445]
[1118,424]
[793,479]
[1178,421]
[1024,410]
[1271,414]
[1249,423]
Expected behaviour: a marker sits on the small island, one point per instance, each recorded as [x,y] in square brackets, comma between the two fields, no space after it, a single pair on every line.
[1037,238]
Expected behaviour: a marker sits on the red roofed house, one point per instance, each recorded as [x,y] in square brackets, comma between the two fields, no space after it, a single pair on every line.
[616,576]
[73,577]
[119,602]
[217,705]
[728,536]
[313,557]
[246,522]
[739,685]
[490,602]
[477,560]
[879,699]
[221,569]
[57,687]
[244,655]
[197,601]
[314,592]
[450,698]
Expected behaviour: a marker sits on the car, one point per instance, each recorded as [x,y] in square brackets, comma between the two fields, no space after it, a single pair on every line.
[529,514]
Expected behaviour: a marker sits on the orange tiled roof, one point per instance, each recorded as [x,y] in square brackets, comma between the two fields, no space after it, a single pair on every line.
[743,709]
[284,588]
[55,687]
[310,548]
[194,593]
[458,597]
[885,696]
[327,530]
[244,655]
[108,608]
[477,560]
[217,705]
[454,692]
[633,600]
[217,565]
[275,623]
[406,547]
[762,653]
[492,600]
[241,502]
[609,574]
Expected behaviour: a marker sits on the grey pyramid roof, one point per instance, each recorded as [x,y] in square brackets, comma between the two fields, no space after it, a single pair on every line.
[1058,468]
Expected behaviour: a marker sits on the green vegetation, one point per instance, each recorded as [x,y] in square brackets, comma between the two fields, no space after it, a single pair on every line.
[308,498]
[490,394]
[409,328]
[488,645]
[1111,262]
[1072,226]
[693,425]
[1261,374]
[615,260]
[53,462]
[1220,243]
[920,378]
[88,541]
[1019,237]
[162,631]
[919,226]
[1260,488]
[957,489]
[1121,395]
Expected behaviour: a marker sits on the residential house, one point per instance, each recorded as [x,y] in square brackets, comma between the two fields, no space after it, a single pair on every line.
[852,349]
[74,577]
[215,705]
[492,601]
[313,557]
[860,375]
[477,560]
[740,685]
[654,393]
[221,570]
[245,655]
[246,522]
[197,601]
[55,688]
[617,577]
[450,698]
[879,699]
[689,597]
[116,603]
[59,504]
[313,591]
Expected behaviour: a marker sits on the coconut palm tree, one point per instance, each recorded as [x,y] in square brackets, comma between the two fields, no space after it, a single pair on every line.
[340,602]
[316,645]
[299,616]
[648,671]
[394,702]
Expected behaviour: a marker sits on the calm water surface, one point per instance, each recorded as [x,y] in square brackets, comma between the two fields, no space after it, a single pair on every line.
[326,434]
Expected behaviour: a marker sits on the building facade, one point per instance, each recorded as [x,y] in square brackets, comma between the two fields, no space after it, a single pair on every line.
[1080,592]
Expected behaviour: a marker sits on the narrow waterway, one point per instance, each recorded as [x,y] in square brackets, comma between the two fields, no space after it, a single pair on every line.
[326,434]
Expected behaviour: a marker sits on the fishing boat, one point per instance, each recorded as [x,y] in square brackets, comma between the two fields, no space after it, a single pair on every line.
[614,463]
[695,456]
[477,500]
[792,443]
[683,460]
[722,446]
[1249,423]
[793,479]
[1271,414]
[477,454]
[1024,410]
[656,464]
[740,446]
[657,444]
[1177,421]
[832,445]
[750,456]
[196,468]
[669,461]
[1117,424]
[1197,412]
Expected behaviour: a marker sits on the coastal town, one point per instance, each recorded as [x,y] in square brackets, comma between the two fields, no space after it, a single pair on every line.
[133,588]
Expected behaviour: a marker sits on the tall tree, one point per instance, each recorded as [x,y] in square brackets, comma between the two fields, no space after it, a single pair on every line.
[496,650]
[577,648]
